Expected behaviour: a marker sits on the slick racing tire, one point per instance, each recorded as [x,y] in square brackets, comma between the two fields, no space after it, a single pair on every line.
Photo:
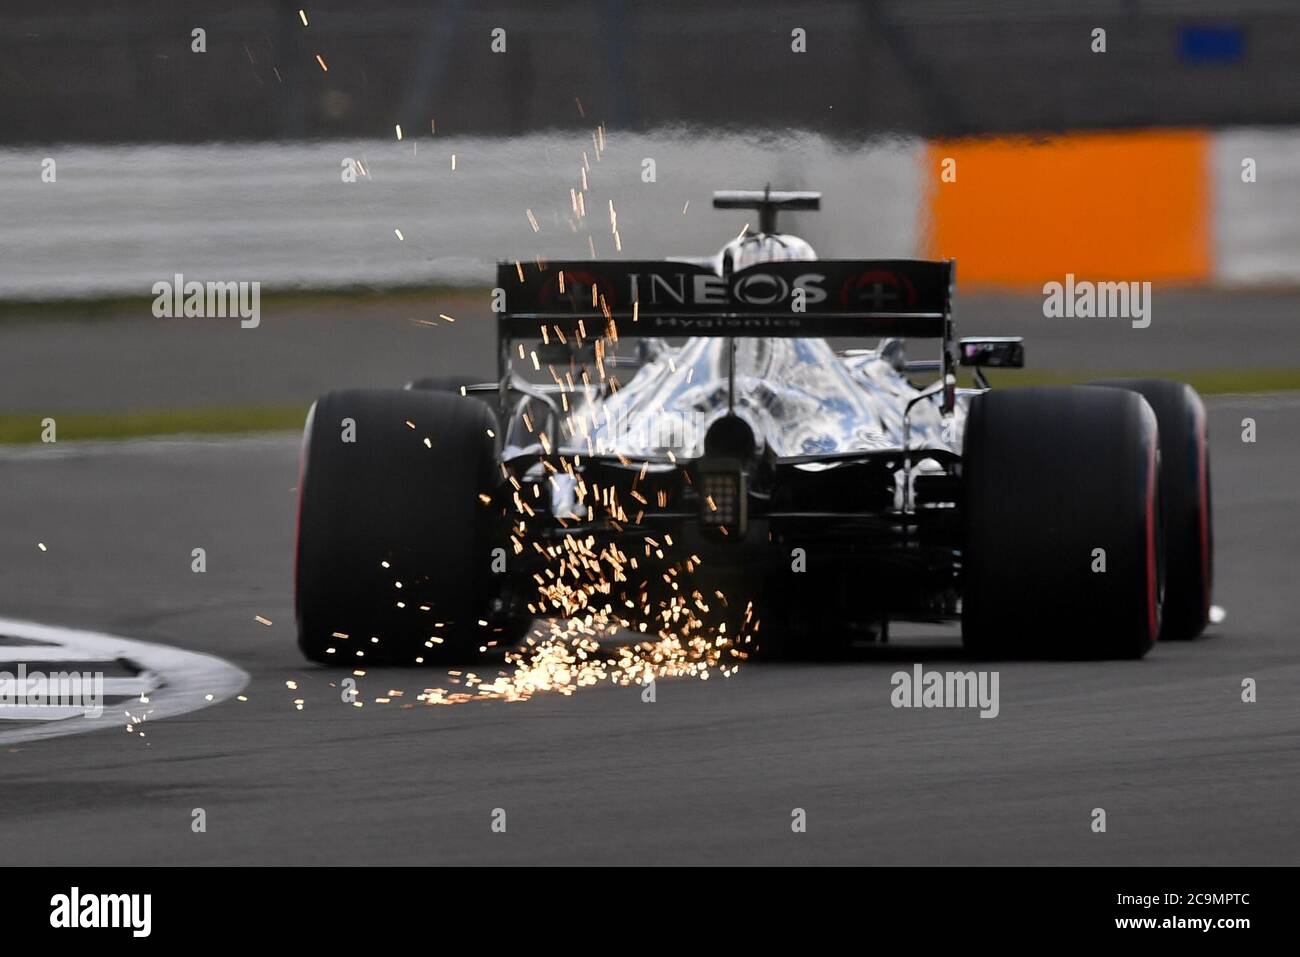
[1185,494]
[393,547]
[516,627]
[1061,553]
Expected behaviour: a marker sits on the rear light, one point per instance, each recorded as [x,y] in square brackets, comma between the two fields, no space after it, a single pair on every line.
[723,500]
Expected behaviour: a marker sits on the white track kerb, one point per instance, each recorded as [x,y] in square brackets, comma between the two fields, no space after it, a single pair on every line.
[170,681]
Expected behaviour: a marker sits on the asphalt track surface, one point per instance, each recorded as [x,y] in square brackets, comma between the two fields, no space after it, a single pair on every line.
[709,773]
[83,361]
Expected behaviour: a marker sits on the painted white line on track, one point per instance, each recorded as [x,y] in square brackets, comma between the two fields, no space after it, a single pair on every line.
[173,681]
[12,654]
[44,688]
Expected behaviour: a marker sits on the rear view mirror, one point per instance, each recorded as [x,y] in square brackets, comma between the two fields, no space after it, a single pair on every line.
[993,352]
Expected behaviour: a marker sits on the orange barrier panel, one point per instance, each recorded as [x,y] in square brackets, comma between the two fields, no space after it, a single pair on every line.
[1104,206]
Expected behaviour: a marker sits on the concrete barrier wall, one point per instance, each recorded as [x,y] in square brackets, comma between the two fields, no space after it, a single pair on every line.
[1167,206]
[119,219]
[1256,225]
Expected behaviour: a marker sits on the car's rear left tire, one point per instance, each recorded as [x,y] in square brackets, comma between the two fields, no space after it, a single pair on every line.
[379,506]
[1061,553]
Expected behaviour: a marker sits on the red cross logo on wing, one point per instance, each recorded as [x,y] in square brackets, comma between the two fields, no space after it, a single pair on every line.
[878,290]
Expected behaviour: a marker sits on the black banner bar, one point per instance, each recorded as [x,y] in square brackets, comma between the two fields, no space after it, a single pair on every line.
[122,908]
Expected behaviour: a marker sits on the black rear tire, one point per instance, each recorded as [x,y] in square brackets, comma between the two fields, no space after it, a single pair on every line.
[1185,494]
[387,508]
[1050,475]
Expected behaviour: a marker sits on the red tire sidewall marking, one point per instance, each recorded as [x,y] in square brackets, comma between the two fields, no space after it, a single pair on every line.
[1153,598]
[1203,501]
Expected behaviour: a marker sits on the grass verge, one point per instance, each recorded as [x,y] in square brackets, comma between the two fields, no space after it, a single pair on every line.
[1204,381]
[19,428]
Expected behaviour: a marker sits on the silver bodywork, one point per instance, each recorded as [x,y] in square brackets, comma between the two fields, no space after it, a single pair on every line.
[800,397]
[797,395]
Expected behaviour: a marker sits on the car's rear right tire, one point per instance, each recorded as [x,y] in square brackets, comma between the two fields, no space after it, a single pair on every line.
[1185,494]
[1061,553]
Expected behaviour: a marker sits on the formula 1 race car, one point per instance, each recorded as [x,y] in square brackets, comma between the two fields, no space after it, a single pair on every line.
[698,432]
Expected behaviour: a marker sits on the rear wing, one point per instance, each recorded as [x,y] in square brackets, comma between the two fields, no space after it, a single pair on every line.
[835,297]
